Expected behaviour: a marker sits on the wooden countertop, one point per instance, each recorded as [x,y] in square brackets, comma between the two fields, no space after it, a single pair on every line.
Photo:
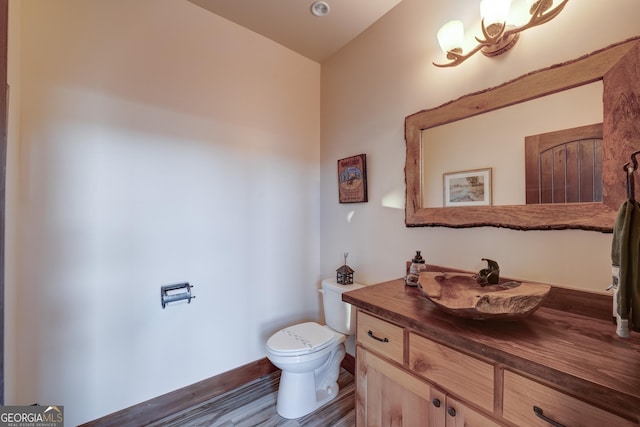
[579,354]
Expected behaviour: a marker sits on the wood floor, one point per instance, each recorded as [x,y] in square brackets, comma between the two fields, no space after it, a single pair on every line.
[254,404]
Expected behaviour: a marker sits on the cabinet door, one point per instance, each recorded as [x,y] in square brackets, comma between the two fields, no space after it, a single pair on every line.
[388,396]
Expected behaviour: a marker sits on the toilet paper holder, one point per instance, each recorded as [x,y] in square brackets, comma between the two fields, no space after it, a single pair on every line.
[176,292]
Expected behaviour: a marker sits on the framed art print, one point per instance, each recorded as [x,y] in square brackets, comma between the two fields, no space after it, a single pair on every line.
[467,188]
[352,179]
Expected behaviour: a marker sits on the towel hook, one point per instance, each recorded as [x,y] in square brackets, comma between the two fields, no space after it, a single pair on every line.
[630,180]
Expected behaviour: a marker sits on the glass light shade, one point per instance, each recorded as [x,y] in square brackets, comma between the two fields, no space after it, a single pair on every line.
[451,35]
[494,11]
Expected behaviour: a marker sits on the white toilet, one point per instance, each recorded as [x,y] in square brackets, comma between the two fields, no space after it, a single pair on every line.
[310,354]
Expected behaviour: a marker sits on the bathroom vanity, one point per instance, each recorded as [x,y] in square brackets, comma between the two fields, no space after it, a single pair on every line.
[419,366]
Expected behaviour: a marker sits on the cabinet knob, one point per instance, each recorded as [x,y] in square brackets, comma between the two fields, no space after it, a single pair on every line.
[451,411]
[436,402]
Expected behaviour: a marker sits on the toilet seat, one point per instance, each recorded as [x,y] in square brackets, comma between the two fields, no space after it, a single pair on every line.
[300,339]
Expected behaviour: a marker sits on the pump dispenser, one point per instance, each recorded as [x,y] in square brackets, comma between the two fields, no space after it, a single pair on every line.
[418,265]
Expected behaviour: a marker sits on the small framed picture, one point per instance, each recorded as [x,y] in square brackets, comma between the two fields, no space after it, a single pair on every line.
[352,179]
[467,188]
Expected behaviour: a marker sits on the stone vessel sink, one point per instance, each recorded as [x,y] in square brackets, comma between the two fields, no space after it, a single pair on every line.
[459,294]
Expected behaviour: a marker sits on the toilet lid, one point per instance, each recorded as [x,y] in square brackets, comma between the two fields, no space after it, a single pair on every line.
[301,339]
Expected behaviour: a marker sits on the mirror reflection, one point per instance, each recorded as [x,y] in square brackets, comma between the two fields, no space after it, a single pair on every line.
[496,140]
[615,67]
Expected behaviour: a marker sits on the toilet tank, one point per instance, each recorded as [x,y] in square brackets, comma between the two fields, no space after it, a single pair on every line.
[339,315]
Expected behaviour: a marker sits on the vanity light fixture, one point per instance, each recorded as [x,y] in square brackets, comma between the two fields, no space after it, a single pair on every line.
[498,36]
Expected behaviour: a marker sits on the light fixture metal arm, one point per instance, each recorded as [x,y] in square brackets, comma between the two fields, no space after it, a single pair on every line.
[488,38]
[538,17]
[458,58]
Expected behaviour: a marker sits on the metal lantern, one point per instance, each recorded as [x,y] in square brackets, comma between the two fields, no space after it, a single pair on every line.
[344,275]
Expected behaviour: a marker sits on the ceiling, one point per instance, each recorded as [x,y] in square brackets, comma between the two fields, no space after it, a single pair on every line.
[291,24]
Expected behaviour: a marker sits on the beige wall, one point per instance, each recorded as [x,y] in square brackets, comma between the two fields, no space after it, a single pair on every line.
[158,144]
[372,84]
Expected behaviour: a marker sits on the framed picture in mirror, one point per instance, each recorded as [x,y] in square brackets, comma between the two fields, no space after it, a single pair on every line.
[467,188]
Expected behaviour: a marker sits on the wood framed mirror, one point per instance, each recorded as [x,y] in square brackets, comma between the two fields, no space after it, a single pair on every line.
[618,67]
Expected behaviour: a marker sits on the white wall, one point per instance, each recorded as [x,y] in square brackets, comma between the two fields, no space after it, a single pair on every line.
[373,83]
[159,144]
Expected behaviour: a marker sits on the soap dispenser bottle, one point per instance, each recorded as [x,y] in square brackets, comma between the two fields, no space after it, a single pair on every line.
[418,265]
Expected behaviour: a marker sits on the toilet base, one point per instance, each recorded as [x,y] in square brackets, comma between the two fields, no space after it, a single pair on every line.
[297,396]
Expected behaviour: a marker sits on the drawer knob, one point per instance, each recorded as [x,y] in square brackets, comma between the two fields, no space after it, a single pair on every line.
[370,333]
[540,414]
[451,411]
[436,402]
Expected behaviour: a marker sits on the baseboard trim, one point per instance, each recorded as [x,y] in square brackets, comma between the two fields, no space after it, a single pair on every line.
[349,364]
[194,394]
[183,398]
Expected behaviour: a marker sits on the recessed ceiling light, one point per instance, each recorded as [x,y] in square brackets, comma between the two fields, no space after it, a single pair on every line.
[320,8]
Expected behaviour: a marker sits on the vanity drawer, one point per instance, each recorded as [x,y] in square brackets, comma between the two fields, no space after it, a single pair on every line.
[383,337]
[521,395]
[465,376]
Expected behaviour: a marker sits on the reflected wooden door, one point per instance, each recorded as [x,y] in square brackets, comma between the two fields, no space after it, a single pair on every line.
[564,166]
